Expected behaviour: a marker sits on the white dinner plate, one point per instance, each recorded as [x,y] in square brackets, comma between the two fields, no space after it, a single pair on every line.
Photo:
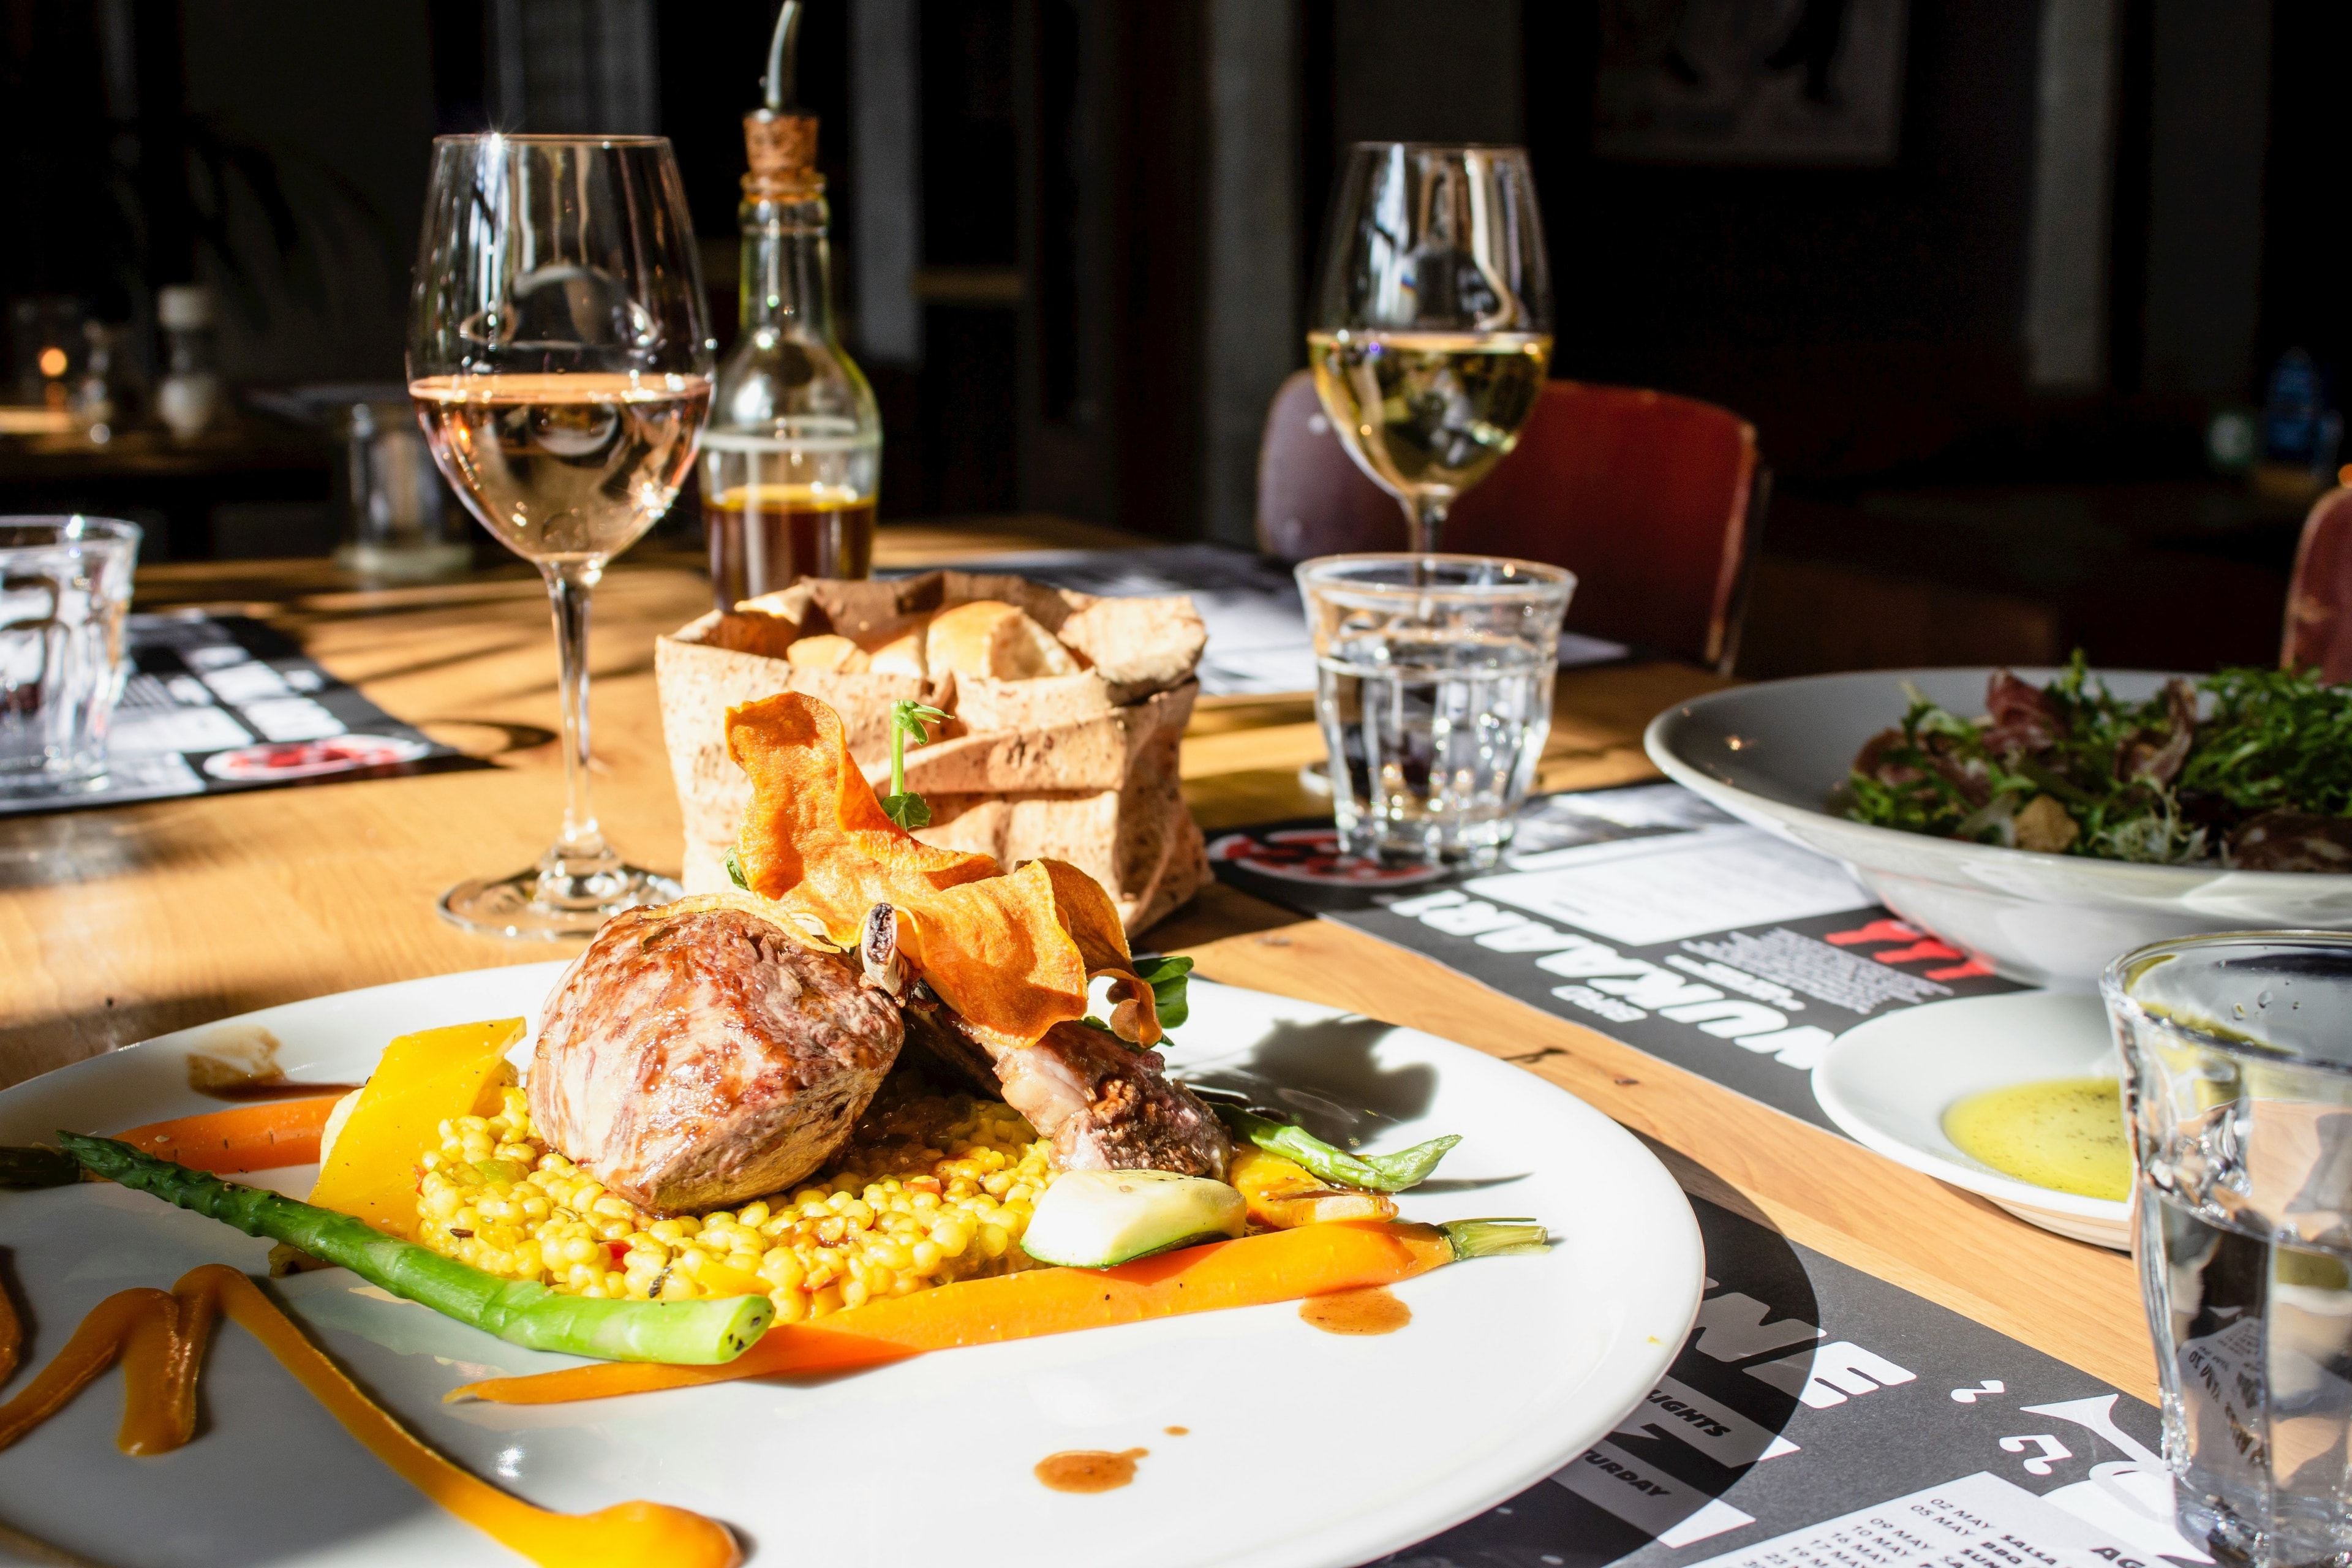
[1304,1448]
[1888,1082]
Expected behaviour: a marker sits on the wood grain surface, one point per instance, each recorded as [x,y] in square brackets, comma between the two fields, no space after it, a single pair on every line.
[121,923]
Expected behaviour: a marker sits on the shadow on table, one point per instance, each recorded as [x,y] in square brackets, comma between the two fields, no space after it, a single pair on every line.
[1326,1074]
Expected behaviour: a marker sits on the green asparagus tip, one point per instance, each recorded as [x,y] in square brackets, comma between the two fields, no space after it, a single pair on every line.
[99,1156]
[1396,1172]
[1408,1168]
[1495,1237]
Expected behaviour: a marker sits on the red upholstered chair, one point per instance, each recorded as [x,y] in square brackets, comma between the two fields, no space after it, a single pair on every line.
[2319,599]
[1655,501]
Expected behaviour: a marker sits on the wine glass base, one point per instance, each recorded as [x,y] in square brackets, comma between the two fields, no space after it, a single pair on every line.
[513,906]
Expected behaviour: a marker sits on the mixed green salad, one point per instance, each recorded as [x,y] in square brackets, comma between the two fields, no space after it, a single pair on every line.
[2249,768]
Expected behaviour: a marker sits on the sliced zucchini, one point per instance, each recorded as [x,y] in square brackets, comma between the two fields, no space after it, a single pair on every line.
[1093,1219]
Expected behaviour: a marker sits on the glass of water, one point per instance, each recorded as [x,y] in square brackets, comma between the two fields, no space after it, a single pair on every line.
[65,584]
[2238,1088]
[1434,687]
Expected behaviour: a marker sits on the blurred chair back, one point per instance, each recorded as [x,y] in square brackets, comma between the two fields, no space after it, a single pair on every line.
[1655,502]
[2319,599]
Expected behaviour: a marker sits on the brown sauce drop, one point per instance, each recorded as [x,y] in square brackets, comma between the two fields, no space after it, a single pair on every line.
[275,1088]
[1088,1469]
[1176,1431]
[1372,1311]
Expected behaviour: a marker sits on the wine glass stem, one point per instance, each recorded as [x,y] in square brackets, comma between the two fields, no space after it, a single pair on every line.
[1424,516]
[581,850]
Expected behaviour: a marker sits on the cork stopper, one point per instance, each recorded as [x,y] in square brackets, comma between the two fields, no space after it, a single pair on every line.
[783,152]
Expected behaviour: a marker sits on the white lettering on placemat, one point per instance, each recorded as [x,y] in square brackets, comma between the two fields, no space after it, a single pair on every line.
[1714,1428]
[1829,1375]
[1731,1327]
[1644,892]
[1647,1497]
[1977,1520]
[1820,971]
[155,731]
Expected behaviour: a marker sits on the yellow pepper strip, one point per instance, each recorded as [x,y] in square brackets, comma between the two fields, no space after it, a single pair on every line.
[160,1339]
[1283,1194]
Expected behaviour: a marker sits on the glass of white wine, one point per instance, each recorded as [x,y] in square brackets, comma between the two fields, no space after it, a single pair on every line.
[560,359]
[1432,329]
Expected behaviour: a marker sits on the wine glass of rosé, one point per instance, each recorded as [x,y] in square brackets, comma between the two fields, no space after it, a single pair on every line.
[1432,330]
[559,360]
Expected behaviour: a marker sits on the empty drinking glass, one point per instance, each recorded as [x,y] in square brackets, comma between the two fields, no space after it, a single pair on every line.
[2238,1088]
[64,584]
[1434,687]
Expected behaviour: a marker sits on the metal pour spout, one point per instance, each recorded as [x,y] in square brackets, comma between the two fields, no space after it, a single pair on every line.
[784,50]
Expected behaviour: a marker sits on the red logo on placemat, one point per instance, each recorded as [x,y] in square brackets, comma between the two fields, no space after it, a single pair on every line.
[1312,855]
[1915,946]
[309,759]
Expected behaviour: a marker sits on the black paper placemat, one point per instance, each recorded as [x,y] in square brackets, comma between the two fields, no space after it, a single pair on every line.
[216,703]
[1811,1395]
[1816,1415]
[1647,914]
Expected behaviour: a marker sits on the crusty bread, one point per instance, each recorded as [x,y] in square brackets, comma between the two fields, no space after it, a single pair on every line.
[990,639]
[829,651]
[1138,645]
[901,655]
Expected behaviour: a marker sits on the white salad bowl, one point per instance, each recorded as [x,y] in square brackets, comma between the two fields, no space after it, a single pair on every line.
[1774,753]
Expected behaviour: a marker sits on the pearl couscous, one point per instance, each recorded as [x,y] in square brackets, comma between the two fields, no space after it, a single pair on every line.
[931,1187]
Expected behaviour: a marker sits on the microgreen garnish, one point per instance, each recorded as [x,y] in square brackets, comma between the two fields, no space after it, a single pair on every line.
[2268,740]
[1166,976]
[907,721]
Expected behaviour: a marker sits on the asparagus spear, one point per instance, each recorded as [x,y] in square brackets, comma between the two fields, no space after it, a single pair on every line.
[1377,1172]
[36,1167]
[699,1332]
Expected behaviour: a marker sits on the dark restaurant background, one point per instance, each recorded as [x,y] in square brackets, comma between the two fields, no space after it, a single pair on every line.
[2009,365]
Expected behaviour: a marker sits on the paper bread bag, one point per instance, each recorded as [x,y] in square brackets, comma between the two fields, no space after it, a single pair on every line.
[1079,767]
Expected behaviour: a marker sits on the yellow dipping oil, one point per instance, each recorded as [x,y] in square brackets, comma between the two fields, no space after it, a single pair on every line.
[2067,1134]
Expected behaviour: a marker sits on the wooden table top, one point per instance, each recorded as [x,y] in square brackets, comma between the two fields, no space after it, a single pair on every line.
[123,923]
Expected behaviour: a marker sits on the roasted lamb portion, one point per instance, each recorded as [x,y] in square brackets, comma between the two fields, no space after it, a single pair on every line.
[702,1054]
[1107,1105]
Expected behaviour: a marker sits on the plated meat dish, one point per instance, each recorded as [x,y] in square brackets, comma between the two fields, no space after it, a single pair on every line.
[2249,769]
[724,1138]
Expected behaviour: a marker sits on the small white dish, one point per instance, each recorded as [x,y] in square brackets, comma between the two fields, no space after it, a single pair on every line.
[1511,1366]
[1887,1083]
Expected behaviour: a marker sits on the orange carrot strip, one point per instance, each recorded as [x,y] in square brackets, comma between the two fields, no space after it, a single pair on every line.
[257,1137]
[160,1338]
[12,1333]
[1313,1260]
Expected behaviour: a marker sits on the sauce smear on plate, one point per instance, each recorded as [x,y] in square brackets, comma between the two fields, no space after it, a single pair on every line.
[2067,1134]
[160,1338]
[246,1068]
[1371,1310]
[1088,1469]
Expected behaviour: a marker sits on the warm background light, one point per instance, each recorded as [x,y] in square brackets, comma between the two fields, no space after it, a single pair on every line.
[53,362]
